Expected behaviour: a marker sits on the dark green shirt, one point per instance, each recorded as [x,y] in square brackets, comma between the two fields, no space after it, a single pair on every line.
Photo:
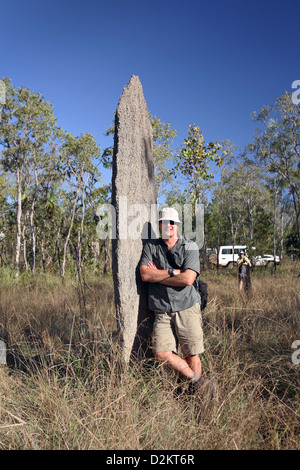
[184,255]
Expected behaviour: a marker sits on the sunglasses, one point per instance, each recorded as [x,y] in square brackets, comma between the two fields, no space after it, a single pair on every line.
[171,222]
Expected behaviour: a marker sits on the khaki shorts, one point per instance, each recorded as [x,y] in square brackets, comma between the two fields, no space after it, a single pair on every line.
[183,327]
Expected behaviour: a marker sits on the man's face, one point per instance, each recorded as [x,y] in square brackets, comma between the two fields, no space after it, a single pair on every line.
[168,229]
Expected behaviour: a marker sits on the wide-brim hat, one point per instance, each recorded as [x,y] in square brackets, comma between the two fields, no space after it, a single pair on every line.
[168,213]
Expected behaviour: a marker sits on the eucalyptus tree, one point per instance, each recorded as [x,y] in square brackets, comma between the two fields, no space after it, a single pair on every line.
[194,162]
[163,154]
[252,191]
[194,159]
[233,207]
[79,163]
[245,199]
[277,147]
[27,128]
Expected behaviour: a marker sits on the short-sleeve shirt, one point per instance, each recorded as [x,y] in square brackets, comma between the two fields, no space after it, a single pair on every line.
[243,265]
[184,255]
[243,262]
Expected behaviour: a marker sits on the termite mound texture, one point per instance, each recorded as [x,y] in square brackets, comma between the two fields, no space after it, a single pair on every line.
[133,193]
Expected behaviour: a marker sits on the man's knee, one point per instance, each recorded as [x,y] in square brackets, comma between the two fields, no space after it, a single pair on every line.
[163,356]
[193,359]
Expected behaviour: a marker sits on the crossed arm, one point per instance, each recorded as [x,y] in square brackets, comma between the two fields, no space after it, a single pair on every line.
[151,273]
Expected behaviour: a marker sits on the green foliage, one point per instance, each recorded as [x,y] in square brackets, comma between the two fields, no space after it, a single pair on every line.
[163,154]
[194,160]
[292,243]
[277,147]
[50,183]
[27,126]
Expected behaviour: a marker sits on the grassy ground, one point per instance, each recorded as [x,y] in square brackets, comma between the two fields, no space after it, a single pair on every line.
[64,386]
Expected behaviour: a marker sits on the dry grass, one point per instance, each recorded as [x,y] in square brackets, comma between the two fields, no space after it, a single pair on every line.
[66,387]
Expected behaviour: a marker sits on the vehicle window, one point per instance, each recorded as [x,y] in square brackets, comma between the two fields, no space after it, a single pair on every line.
[227,251]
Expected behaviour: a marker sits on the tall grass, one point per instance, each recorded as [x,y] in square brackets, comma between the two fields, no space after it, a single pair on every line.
[65,386]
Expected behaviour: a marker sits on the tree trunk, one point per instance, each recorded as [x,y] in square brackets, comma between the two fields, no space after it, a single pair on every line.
[80,236]
[218,247]
[24,246]
[233,235]
[19,214]
[32,227]
[107,259]
[68,236]
[274,225]
[1,255]
[58,250]
[33,240]
[43,255]
[296,208]
[251,227]
[78,253]
[282,235]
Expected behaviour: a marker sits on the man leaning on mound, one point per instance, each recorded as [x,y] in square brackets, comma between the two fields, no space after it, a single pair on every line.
[170,265]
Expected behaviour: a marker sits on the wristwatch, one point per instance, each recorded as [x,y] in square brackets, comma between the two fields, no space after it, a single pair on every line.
[171,272]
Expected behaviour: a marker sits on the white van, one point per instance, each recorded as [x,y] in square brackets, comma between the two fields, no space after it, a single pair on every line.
[226,255]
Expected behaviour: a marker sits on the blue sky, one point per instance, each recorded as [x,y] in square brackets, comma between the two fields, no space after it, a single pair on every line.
[209,63]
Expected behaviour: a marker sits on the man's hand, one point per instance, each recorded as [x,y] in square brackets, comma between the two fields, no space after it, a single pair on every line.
[180,279]
[151,273]
[152,266]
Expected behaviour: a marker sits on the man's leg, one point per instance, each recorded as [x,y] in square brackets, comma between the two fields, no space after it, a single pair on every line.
[164,340]
[179,365]
[194,363]
[185,369]
[164,343]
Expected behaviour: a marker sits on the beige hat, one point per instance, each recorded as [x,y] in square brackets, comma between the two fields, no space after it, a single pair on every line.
[168,213]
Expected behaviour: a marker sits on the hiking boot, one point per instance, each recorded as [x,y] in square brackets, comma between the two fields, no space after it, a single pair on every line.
[203,387]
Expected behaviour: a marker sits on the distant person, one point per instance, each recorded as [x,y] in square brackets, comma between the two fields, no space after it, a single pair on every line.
[244,266]
[170,265]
